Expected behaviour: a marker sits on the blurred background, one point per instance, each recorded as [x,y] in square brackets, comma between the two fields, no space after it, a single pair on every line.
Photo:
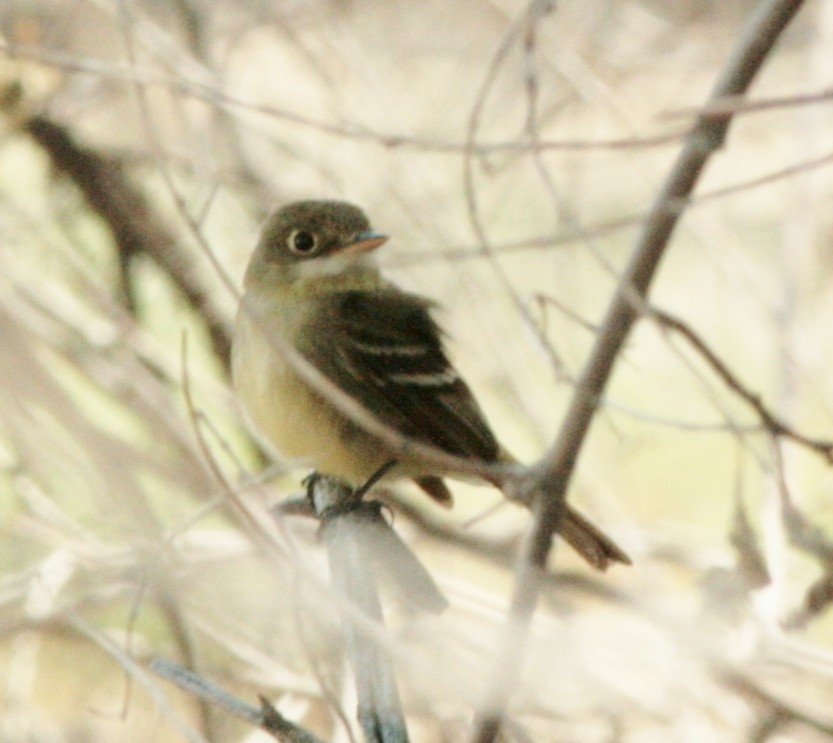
[512,151]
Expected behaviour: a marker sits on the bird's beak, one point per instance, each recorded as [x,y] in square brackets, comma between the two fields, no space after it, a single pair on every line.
[364,243]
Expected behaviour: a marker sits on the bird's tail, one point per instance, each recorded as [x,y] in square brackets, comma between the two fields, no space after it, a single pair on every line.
[590,541]
[596,547]
[583,536]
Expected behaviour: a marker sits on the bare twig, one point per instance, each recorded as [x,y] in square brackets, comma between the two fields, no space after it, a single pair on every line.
[544,301]
[738,105]
[818,598]
[802,534]
[284,730]
[184,640]
[553,473]
[572,234]
[522,28]
[139,674]
[266,717]
[745,685]
[799,168]
[210,93]
[750,560]
[774,425]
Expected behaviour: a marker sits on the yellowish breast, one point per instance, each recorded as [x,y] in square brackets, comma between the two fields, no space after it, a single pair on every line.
[291,418]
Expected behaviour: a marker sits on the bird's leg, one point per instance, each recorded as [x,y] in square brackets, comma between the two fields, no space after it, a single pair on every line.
[352,501]
[360,492]
[309,482]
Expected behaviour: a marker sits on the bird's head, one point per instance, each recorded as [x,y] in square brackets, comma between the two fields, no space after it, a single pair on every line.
[308,241]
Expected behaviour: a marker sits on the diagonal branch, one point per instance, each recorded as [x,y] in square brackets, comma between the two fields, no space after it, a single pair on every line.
[771,422]
[134,224]
[551,476]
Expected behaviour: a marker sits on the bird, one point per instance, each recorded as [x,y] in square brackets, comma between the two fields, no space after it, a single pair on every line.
[312,280]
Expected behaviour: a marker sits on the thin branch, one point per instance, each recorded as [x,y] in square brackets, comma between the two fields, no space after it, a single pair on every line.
[521,28]
[763,180]
[751,564]
[544,300]
[803,534]
[553,473]
[574,233]
[184,641]
[769,420]
[738,105]
[745,685]
[266,717]
[210,93]
[138,673]
[808,538]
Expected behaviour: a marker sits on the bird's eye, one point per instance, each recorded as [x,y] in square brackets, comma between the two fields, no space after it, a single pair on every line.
[302,242]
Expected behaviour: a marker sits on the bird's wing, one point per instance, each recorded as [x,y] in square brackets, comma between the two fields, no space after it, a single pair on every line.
[384,348]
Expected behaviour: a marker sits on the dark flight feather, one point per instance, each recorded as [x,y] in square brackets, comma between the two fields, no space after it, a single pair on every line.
[386,350]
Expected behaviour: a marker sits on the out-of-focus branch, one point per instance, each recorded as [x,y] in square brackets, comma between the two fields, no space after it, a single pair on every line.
[266,717]
[551,477]
[349,130]
[780,711]
[809,539]
[132,221]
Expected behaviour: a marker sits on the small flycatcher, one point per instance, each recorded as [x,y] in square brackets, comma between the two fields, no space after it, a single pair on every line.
[313,282]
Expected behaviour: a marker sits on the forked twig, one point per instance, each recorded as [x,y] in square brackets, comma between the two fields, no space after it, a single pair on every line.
[551,477]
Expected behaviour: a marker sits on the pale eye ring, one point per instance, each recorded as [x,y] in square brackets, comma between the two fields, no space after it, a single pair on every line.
[302,242]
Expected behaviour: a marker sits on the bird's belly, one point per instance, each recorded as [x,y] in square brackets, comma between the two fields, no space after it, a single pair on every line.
[294,421]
